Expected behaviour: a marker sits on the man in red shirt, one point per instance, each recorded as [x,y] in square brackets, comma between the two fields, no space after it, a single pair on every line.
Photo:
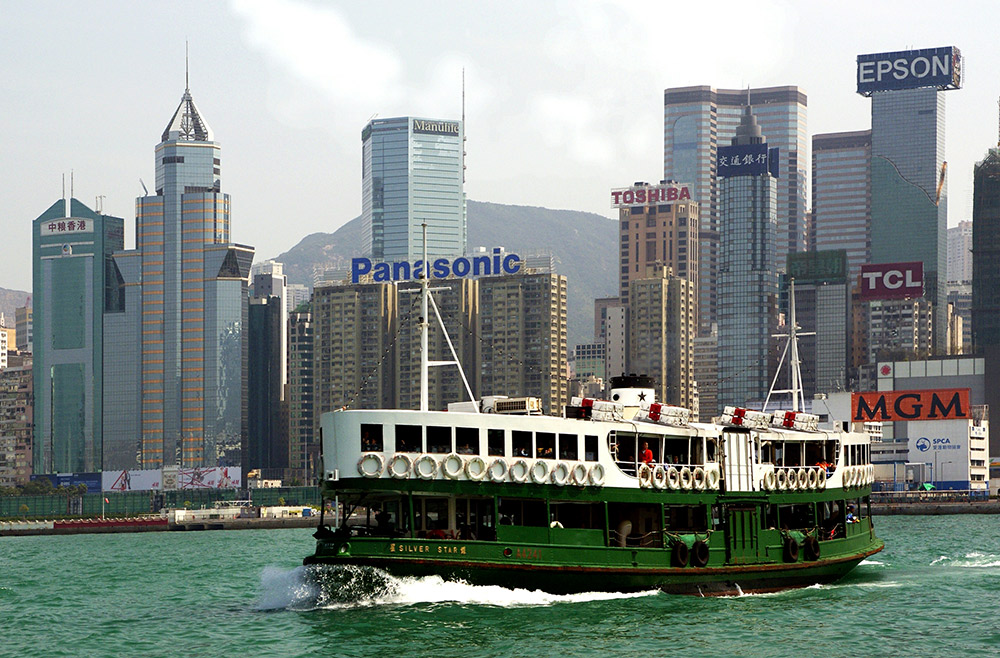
[647,454]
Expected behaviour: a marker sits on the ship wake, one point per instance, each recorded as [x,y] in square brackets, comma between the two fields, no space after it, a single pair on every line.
[337,587]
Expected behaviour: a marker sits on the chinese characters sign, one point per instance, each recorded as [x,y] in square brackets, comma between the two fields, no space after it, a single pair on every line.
[746,160]
[67,226]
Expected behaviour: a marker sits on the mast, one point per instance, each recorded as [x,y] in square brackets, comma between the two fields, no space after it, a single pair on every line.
[794,363]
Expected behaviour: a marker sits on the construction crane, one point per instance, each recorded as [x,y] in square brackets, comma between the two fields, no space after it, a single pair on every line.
[937,197]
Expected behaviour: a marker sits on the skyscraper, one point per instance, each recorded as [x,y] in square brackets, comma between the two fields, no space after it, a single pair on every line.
[986,275]
[412,173]
[177,378]
[748,271]
[73,286]
[303,448]
[960,252]
[909,207]
[699,119]
[841,196]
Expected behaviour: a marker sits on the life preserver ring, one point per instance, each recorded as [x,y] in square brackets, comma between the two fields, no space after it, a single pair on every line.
[596,476]
[539,471]
[699,554]
[848,477]
[452,466]
[781,479]
[394,466]
[645,473]
[673,478]
[803,478]
[821,479]
[813,478]
[519,471]
[768,481]
[713,479]
[679,554]
[871,474]
[687,481]
[791,551]
[560,474]
[698,478]
[810,549]
[475,469]
[371,464]
[498,469]
[659,477]
[425,473]
[579,473]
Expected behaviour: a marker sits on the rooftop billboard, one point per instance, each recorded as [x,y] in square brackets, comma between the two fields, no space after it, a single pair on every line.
[746,160]
[929,404]
[645,195]
[910,69]
[891,281]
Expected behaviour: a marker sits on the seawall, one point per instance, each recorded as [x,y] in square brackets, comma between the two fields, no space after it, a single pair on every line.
[147,524]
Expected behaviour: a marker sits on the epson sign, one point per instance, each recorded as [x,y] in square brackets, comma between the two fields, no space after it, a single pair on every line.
[911,69]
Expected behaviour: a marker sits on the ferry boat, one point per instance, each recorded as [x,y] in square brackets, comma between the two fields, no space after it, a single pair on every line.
[614,495]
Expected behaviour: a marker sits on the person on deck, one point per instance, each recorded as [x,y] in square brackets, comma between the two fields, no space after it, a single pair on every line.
[647,454]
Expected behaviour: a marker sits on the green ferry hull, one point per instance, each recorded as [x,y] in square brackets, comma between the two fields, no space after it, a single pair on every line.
[569,570]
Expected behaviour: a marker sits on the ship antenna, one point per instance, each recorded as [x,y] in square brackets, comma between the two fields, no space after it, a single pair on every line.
[794,364]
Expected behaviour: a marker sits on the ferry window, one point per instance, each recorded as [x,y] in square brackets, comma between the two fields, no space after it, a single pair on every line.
[771,517]
[522,511]
[793,454]
[590,448]
[814,453]
[474,519]
[690,518]
[568,448]
[432,514]
[710,452]
[697,450]
[766,455]
[494,443]
[675,450]
[545,443]
[438,439]
[408,438]
[654,445]
[578,515]
[520,442]
[624,446]
[467,440]
[796,517]
[371,437]
[779,454]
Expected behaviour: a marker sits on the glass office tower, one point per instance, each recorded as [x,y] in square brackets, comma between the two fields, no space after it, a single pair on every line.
[73,284]
[841,196]
[413,173]
[178,379]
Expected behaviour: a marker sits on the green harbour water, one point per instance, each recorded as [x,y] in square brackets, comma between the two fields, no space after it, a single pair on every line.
[933,591]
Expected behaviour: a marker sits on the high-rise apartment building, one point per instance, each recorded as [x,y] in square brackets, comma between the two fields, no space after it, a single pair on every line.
[267,431]
[706,373]
[588,360]
[16,420]
[176,382]
[748,265]
[960,252]
[522,330]
[899,329]
[658,226]
[841,196]
[412,173]
[24,326]
[616,341]
[909,207]
[268,280]
[986,275]
[697,120]
[661,333]
[73,288]
[303,448]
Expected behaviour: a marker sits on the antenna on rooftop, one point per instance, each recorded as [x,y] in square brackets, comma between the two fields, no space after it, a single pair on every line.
[463,125]
[187,86]
[145,192]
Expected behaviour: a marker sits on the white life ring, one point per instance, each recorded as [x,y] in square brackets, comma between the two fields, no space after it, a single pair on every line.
[848,477]
[425,473]
[645,474]
[713,478]
[791,479]
[821,479]
[519,471]
[768,481]
[781,479]
[698,478]
[540,471]
[452,466]
[561,474]
[597,475]
[659,477]
[579,474]
[871,473]
[686,479]
[498,469]
[803,478]
[813,478]
[673,478]
[399,466]
[370,465]
[475,469]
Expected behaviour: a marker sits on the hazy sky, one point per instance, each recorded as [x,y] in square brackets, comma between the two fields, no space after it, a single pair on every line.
[564,100]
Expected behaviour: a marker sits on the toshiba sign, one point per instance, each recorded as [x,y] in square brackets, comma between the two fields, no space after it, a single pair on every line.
[931,404]
[892,281]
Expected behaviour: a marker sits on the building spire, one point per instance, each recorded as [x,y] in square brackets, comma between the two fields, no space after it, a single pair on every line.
[187,85]
[187,124]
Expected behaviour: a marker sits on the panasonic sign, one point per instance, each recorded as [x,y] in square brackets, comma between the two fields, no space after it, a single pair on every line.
[911,69]
[496,264]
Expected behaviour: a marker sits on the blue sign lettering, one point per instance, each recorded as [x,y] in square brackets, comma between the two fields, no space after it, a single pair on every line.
[440,268]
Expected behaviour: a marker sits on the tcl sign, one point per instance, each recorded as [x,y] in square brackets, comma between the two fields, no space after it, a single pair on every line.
[892,281]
